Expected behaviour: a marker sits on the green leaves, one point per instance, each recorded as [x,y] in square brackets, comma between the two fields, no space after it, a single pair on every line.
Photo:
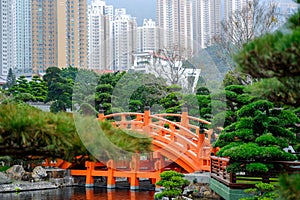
[173,183]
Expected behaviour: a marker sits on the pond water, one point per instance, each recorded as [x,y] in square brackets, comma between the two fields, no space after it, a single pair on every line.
[79,193]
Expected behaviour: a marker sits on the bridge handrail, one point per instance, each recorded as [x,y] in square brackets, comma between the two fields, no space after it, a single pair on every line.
[123,113]
[179,115]
[186,130]
[176,135]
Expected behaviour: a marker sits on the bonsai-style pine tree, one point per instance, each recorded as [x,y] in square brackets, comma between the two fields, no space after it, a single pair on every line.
[173,184]
[260,133]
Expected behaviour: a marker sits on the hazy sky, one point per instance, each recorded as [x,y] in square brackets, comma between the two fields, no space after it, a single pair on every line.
[136,8]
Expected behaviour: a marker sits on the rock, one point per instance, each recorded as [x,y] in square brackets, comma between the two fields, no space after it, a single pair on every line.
[56,173]
[68,180]
[4,179]
[16,172]
[186,198]
[39,173]
[27,177]
[203,189]
[187,192]
[207,194]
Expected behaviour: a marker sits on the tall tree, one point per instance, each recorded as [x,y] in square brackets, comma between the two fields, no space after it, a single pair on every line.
[38,88]
[173,65]
[59,90]
[255,19]
[274,59]
[11,79]
[21,86]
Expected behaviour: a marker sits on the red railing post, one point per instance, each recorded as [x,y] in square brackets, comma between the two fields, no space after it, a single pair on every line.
[184,117]
[111,180]
[101,115]
[146,115]
[89,181]
[134,165]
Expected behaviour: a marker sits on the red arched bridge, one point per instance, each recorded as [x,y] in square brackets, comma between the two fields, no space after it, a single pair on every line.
[183,146]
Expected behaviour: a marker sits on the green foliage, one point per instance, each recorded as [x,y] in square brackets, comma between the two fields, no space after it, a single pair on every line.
[257,167]
[24,97]
[231,78]
[10,80]
[29,133]
[60,90]
[173,184]
[88,109]
[267,140]
[289,187]
[262,191]
[253,152]
[274,59]
[4,168]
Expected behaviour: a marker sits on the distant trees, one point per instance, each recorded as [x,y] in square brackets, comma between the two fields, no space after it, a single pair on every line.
[255,19]
[11,79]
[172,64]
[24,90]
[59,90]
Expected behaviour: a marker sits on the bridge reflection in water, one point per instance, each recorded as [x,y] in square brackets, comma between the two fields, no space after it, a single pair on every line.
[79,193]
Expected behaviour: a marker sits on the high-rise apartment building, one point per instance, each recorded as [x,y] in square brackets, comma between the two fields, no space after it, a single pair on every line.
[232,5]
[5,36]
[124,40]
[147,36]
[39,34]
[44,35]
[21,41]
[206,22]
[72,44]
[286,8]
[174,18]
[99,39]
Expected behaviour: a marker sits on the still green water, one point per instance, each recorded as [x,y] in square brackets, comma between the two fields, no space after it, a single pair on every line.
[79,193]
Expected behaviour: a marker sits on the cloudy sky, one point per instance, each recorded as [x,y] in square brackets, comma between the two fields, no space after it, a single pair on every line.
[137,8]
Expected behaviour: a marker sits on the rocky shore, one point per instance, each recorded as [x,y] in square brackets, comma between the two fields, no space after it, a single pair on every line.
[16,179]
[19,186]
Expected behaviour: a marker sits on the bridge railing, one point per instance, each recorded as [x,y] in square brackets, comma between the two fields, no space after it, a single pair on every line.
[181,137]
[243,180]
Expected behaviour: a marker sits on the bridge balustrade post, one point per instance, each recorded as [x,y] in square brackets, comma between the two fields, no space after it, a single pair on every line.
[134,165]
[101,115]
[111,180]
[89,181]
[146,115]
[184,117]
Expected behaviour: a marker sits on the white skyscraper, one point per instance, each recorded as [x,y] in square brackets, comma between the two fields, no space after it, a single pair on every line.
[5,36]
[232,5]
[15,37]
[206,22]
[99,36]
[21,37]
[124,40]
[174,18]
[147,36]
